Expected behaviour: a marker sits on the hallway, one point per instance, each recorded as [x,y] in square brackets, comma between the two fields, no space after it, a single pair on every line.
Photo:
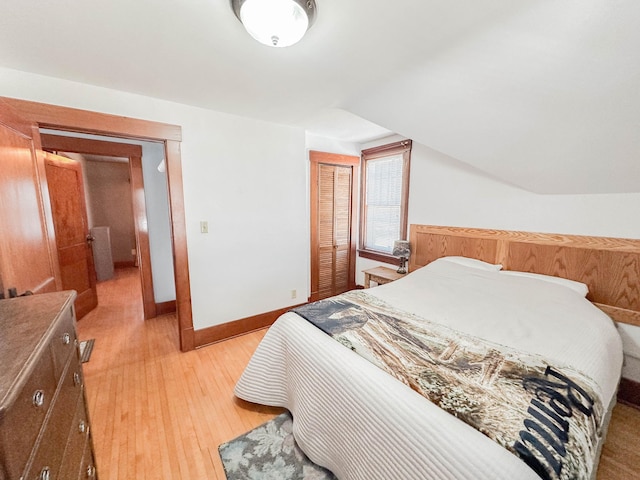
[157,413]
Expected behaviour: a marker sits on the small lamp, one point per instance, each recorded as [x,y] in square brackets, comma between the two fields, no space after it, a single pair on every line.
[402,249]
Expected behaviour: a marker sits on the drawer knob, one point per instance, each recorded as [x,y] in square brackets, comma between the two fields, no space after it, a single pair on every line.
[91,471]
[38,398]
[45,474]
[77,379]
[66,339]
[82,427]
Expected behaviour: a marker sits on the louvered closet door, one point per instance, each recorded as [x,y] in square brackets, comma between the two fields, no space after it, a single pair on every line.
[333,195]
[334,228]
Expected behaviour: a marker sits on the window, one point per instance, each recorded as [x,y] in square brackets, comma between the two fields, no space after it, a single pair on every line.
[385,195]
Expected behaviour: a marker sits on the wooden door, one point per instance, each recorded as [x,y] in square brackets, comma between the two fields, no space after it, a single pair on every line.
[73,241]
[27,254]
[333,194]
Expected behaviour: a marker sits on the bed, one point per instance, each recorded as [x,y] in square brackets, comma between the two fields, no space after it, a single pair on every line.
[361,422]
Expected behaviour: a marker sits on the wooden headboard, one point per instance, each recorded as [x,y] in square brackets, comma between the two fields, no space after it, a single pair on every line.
[609,266]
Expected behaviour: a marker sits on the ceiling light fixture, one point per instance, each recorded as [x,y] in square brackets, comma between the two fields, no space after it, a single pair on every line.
[276,23]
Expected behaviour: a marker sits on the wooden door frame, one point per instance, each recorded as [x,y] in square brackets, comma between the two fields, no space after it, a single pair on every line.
[316,158]
[41,115]
[134,154]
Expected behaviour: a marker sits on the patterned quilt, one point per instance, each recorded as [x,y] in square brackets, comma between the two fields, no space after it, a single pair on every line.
[548,415]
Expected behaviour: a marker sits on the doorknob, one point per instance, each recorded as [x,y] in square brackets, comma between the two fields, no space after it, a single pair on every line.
[90,238]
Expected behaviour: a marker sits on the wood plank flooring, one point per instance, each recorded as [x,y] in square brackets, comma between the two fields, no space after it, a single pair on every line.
[158,413]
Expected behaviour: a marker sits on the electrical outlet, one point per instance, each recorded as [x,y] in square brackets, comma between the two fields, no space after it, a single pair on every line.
[204,227]
[294,293]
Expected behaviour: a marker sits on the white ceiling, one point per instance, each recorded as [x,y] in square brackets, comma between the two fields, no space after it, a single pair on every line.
[541,94]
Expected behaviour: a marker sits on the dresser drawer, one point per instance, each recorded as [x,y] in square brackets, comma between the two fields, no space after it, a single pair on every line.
[63,343]
[23,418]
[49,451]
[76,441]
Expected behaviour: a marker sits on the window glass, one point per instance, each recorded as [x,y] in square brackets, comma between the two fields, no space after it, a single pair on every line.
[385,193]
[383,202]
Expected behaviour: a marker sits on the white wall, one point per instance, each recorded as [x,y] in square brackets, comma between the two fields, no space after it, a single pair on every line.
[111,206]
[446,192]
[331,145]
[244,177]
[247,180]
[156,196]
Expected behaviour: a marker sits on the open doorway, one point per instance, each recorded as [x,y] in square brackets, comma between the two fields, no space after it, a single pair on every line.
[27,117]
[128,209]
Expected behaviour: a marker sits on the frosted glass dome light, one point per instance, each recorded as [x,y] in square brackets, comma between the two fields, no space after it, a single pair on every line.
[276,23]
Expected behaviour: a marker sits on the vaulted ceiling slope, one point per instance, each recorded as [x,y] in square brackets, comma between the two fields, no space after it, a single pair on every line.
[543,94]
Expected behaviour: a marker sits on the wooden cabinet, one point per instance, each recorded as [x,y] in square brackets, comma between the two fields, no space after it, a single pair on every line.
[44,425]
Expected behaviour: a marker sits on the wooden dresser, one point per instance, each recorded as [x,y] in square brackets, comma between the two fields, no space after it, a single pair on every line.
[44,426]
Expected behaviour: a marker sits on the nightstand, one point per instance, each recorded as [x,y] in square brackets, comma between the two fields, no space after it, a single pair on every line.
[380,275]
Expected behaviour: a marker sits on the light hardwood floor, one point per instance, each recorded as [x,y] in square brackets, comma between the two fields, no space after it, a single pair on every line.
[158,413]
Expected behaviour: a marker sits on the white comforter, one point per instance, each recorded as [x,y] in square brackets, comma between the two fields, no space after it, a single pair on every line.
[361,423]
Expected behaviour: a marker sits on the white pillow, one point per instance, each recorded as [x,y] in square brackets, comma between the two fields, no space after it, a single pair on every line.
[579,287]
[470,262]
